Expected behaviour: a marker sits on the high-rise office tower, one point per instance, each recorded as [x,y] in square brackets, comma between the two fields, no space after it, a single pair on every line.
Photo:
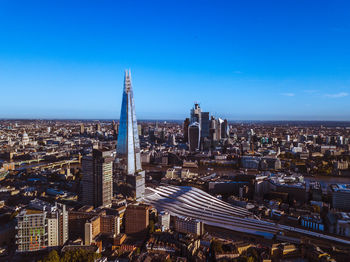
[152,134]
[202,118]
[194,136]
[205,124]
[224,129]
[186,125]
[97,182]
[213,127]
[219,128]
[196,113]
[128,146]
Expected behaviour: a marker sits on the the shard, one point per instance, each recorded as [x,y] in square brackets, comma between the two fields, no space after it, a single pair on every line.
[128,146]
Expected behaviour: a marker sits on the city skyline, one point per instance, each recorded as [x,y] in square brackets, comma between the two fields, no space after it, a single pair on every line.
[237,61]
[229,142]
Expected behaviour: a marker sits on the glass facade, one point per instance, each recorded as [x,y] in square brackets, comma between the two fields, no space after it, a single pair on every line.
[194,136]
[128,138]
[205,124]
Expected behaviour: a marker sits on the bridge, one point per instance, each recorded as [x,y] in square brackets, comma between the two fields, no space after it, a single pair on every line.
[56,164]
[19,163]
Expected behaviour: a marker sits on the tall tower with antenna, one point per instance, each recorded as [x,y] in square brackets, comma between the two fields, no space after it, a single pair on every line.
[128,145]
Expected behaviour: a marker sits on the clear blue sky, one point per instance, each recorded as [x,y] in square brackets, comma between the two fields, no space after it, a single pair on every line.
[244,59]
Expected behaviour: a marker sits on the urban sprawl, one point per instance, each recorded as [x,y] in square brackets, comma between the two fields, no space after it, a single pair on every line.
[202,189]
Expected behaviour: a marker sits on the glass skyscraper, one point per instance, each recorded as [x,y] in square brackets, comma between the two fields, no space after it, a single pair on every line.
[128,146]
[194,136]
[128,137]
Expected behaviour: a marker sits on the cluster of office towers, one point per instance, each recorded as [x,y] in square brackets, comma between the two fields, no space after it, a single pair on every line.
[202,131]
[97,181]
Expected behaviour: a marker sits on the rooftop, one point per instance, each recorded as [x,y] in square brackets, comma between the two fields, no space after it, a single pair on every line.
[341,188]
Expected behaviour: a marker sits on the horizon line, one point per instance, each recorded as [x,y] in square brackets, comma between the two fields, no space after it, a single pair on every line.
[172,120]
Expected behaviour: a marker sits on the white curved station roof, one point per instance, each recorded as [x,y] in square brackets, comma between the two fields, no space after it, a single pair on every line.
[195,203]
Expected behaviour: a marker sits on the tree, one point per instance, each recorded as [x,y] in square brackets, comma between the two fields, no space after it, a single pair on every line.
[216,247]
[252,252]
[251,259]
[138,251]
[80,255]
[51,257]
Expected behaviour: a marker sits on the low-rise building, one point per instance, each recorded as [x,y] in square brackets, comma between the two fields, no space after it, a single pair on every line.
[341,196]
[164,220]
[136,219]
[188,225]
[313,222]
[88,224]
